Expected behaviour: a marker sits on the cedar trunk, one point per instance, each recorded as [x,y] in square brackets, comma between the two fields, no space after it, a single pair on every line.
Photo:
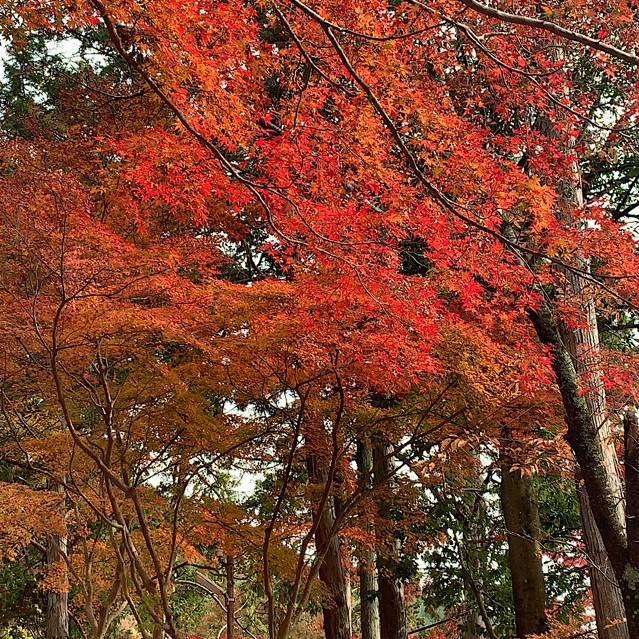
[335,608]
[583,347]
[578,373]
[57,619]
[590,439]
[521,515]
[392,611]
[369,611]
[230,596]
[607,601]
[392,608]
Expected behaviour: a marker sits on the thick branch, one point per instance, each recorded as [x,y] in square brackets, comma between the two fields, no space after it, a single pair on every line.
[551,27]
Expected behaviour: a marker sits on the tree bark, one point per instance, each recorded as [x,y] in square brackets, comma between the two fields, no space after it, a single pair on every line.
[57,615]
[392,608]
[369,611]
[630,577]
[349,596]
[230,596]
[583,346]
[606,596]
[579,376]
[521,515]
[475,629]
[335,607]
[392,611]
[590,439]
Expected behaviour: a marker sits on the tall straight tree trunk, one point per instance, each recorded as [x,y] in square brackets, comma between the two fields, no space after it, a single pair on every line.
[57,615]
[521,515]
[335,608]
[575,354]
[230,596]
[392,608]
[369,610]
[607,602]
[590,438]
[349,597]
[583,346]
[578,374]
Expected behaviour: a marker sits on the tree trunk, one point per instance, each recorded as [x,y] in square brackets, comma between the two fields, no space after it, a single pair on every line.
[630,577]
[583,346]
[349,597]
[589,437]
[579,376]
[392,611]
[607,601]
[369,611]
[475,628]
[230,596]
[335,607]
[392,608]
[521,515]
[57,616]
